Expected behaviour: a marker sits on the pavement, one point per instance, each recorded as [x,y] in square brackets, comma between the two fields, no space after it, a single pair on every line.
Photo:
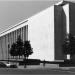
[33,71]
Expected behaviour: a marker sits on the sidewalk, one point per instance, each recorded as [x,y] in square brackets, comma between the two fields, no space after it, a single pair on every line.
[40,66]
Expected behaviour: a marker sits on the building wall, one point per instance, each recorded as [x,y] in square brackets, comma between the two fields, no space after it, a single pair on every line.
[8,39]
[72,17]
[41,34]
[59,31]
[47,31]
[72,21]
[66,12]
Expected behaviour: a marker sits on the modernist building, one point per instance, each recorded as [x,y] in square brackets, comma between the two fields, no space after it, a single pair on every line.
[45,30]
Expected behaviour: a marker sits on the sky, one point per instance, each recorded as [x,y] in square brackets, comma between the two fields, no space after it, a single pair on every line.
[15,11]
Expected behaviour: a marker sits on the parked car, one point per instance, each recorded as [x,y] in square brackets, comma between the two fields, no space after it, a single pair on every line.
[13,66]
[3,65]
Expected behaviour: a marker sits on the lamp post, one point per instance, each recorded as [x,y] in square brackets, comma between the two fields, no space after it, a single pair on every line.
[8,52]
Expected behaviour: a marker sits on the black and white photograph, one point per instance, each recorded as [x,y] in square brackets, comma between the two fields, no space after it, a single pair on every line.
[37,37]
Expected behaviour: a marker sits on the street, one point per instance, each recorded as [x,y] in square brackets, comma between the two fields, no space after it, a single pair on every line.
[36,71]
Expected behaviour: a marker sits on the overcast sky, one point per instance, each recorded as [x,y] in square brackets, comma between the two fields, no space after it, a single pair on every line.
[15,11]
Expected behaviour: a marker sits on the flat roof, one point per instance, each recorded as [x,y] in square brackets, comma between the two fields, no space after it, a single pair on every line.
[14,26]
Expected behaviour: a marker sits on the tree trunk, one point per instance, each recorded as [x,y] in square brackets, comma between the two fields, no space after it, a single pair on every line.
[27,57]
[16,59]
[19,56]
[72,57]
[13,57]
[24,61]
